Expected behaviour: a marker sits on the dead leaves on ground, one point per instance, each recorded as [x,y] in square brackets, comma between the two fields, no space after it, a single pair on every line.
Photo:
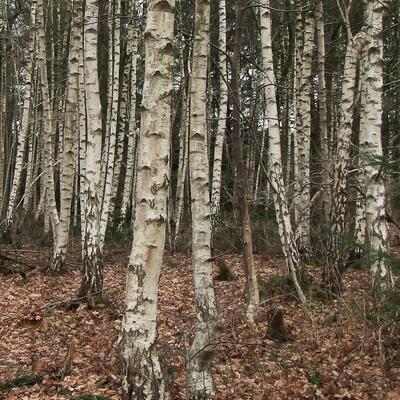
[334,355]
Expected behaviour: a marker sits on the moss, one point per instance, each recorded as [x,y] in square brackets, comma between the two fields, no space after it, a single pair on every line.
[20,381]
[315,379]
[275,285]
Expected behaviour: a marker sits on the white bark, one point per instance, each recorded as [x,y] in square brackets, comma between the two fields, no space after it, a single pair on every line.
[360,219]
[183,152]
[289,247]
[71,127]
[142,372]
[377,228]
[200,378]
[47,128]
[223,109]
[303,131]
[323,113]
[31,166]
[354,48]
[262,150]
[92,278]
[25,122]
[82,142]
[132,48]
[112,115]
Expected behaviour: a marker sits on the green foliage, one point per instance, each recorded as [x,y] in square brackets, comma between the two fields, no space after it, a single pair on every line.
[23,380]
[91,397]
[315,379]
[47,240]
[390,166]
[275,285]
[65,391]
[105,299]
[282,285]
[393,263]
[317,293]
[386,312]
[115,235]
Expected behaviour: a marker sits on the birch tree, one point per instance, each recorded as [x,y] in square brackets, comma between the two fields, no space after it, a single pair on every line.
[70,135]
[142,375]
[109,151]
[377,229]
[354,47]
[92,277]
[47,128]
[323,112]
[288,243]
[223,109]
[304,42]
[24,130]
[183,147]
[200,378]
[132,48]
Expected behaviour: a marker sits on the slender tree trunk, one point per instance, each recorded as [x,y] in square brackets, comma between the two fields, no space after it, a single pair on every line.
[241,176]
[112,115]
[223,109]
[47,130]
[83,134]
[25,123]
[360,218]
[377,228]
[92,277]
[183,150]
[3,111]
[336,243]
[289,247]
[303,130]
[69,143]
[200,378]
[323,113]
[132,48]
[142,372]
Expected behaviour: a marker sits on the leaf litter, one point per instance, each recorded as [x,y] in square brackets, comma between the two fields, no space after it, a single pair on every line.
[335,354]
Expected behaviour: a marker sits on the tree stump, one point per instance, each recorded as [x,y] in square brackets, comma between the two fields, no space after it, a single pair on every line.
[224,272]
[276,326]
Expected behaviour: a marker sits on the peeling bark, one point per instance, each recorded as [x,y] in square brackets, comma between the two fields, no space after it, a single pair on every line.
[142,374]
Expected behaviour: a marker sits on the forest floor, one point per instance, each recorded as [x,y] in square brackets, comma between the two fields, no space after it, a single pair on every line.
[338,349]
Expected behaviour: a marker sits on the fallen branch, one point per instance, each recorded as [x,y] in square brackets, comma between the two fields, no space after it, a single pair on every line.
[9,266]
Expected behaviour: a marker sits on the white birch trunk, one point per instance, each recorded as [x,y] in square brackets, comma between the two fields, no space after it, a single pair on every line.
[223,109]
[377,228]
[25,122]
[183,152]
[31,166]
[289,247]
[92,277]
[200,378]
[323,113]
[50,206]
[303,133]
[68,148]
[142,375]
[336,244]
[360,219]
[112,114]
[132,49]
[82,141]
